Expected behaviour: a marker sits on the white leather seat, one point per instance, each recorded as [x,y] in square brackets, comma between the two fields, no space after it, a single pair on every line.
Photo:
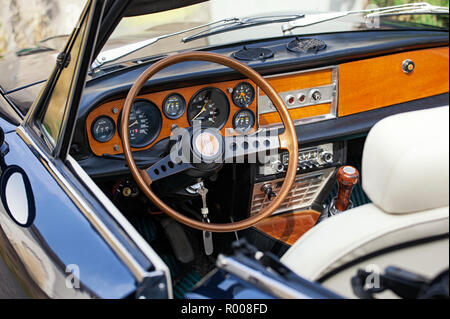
[405,172]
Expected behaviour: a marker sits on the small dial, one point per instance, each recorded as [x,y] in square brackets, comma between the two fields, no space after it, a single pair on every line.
[209,107]
[243,121]
[103,129]
[174,106]
[243,94]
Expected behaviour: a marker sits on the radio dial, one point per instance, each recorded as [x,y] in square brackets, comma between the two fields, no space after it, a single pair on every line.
[327,157]
[277,166]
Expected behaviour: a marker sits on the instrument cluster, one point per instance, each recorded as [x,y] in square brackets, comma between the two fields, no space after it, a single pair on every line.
[207,107]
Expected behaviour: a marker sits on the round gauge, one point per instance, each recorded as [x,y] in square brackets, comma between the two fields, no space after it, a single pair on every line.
[103,129]
[144,123]
[243,121]
[243,94]
[174,106]
[209,107]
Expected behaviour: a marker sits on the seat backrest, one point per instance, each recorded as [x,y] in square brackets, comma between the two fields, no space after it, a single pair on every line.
[405,165]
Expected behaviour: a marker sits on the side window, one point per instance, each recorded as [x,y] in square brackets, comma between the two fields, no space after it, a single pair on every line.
[54,115]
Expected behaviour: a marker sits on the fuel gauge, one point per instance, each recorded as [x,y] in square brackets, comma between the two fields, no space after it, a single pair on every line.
[174,106]
[243,121]
[103,129]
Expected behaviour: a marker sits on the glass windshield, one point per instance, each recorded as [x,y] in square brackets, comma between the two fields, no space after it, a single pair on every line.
[138,28]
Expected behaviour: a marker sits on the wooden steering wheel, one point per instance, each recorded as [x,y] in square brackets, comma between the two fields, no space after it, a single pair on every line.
[165,167]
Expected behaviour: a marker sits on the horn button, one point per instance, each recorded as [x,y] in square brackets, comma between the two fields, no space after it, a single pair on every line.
[207,146]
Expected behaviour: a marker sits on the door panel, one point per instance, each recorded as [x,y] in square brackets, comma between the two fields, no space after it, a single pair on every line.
[59,236]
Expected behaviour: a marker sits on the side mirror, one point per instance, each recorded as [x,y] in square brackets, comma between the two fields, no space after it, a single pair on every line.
[2,136]
[4,148]
[17,196]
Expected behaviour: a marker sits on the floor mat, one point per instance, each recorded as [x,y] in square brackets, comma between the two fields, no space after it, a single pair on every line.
[144,225]
[185,284]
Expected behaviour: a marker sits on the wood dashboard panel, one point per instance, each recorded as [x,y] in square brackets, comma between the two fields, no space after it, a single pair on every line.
[114,146]
[288,228]
[269,119]
[362,85]
[378,82]
[298,81]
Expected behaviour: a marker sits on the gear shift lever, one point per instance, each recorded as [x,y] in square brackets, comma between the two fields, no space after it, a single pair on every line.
[347,177]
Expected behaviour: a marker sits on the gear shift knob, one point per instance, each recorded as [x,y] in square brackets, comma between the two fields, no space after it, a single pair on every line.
[347,177]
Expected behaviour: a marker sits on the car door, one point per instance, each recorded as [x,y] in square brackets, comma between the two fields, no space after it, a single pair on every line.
[60,237]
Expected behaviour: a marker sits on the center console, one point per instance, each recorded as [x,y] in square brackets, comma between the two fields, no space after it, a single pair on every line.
[317,165]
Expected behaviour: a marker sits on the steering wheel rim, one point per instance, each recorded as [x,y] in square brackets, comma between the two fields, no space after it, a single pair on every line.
[287,140]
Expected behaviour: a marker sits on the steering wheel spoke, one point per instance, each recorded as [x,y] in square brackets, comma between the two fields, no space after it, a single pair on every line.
[165,168]
[252,147]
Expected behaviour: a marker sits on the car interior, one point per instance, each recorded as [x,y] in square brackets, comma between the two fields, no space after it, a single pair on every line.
[363,115]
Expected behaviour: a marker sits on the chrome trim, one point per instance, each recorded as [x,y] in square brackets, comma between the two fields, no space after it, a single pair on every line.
[138,272]
[16,114]
[334,85]
[258,279]
[304,192]
[327,91]
[134,235]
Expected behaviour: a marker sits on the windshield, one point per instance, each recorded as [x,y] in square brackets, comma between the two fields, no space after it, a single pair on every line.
[138,28]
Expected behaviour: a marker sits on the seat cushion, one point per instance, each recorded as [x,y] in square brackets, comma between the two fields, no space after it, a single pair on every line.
[427,259]
[405,164]
[359,232]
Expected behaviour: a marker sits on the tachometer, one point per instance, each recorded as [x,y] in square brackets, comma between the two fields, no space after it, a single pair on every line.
[144,123]
[243,121]
[103,129]
[174,106]
[243,94]
[209,107]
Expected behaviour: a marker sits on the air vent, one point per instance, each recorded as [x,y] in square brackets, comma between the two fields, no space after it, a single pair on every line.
[253,54]
[306,45]
[304,192]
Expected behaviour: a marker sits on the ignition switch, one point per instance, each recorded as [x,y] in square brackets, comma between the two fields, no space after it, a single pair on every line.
[126,188]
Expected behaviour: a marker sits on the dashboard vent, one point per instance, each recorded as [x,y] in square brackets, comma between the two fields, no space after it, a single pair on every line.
[253,54]
[306,45]
[306,189]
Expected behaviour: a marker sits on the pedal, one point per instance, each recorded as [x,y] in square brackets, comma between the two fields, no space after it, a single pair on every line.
[178,240]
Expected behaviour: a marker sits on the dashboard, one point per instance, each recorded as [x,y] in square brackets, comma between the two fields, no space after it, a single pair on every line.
[238,107]
[228,106]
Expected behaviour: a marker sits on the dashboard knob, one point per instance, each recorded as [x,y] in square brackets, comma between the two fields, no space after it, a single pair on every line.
[267,189]
[316,95]
[277,166]
[408,66]
[327,157]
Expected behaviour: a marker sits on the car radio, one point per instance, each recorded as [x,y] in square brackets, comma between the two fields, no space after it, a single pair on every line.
[309,158]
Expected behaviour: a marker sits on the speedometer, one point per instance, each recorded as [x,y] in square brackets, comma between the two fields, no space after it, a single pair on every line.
[209,107]
[144,123]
